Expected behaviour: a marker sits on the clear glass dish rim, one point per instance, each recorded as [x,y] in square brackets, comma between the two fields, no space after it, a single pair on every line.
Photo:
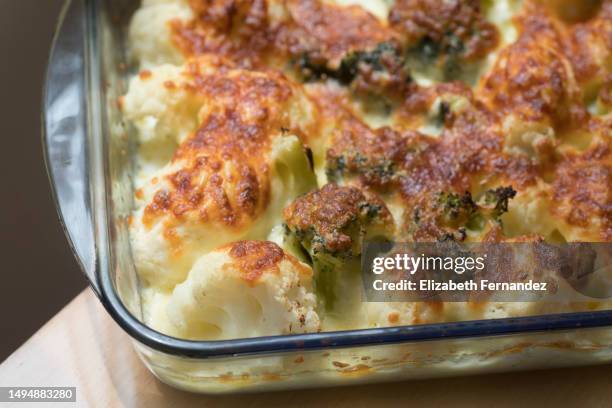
[281,343]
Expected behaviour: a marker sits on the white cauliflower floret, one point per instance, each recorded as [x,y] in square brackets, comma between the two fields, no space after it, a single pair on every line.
[529,213]
[162,112]
[150,35]
[246,289]
[533,139]
[237,165]
[164,106]
[166,248]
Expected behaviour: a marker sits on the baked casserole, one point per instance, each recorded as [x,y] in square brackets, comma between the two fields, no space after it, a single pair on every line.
[276,137]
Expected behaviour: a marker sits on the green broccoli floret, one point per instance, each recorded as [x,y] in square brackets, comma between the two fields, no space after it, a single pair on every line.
[384,57]
[330,225]
[456,206]
[450,42]
[313,68]
[335,169]
[385,61]
[374,171]
[335,220]
[462,208]
[443,59]
[453,215]
[496,201]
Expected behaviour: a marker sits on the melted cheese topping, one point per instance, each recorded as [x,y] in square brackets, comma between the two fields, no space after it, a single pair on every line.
[241,107]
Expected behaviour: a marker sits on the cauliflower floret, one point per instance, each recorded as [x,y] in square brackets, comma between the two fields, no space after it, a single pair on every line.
[230,177]
[166,245]
[165,107]
[581,193]
[163,113]
[529,214]
[573,207]
[535,140]
[246,289]
[532,79]
[150,35]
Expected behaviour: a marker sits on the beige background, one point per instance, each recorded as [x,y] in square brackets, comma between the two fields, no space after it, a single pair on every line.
[38,274]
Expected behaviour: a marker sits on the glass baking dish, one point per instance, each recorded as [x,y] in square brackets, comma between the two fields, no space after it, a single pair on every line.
[88,154]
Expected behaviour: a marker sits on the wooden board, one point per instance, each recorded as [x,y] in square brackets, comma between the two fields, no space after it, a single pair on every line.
[83,347]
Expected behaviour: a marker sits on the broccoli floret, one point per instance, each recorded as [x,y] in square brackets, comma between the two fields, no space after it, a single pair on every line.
[448,40]
[314,69]
[381,173]
[379,67]
[330,225]
[496,201]
[453,215]
[335,169]
[442,58]
[374,171]
[463,210]
[381,58]
[457,206]
[455,212]
[335,220]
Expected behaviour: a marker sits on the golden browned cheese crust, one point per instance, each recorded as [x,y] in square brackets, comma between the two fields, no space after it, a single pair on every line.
[233,28]
[238,128]
[582,189]
[327,32]
[533,78]
[447,26]
[244,31]
[417,167]
[254,258]
[528,122]
[278,137]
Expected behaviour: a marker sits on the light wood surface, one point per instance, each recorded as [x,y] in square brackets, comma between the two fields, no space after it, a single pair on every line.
[83,347]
